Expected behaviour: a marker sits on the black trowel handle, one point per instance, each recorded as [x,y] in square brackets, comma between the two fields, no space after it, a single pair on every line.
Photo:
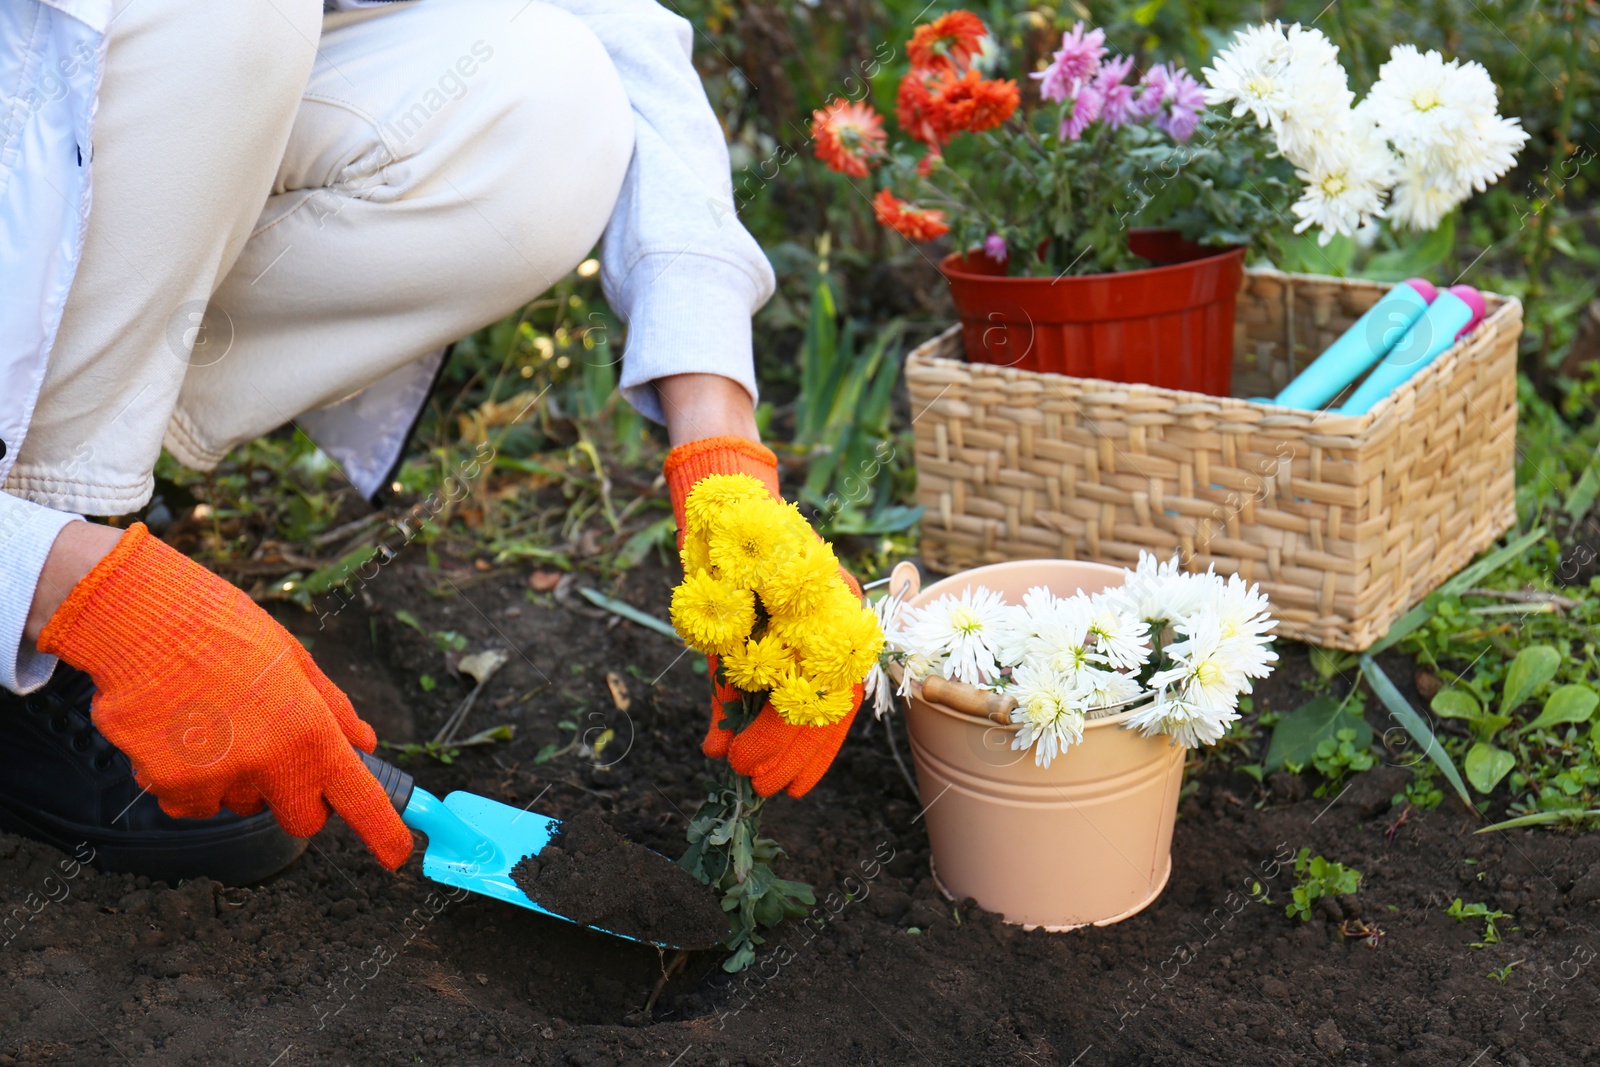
[397,783]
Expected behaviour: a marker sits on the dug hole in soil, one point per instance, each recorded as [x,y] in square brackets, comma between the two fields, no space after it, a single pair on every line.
[336,961]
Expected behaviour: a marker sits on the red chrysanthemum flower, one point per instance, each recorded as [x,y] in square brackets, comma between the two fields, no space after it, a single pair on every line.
[847,136]
[915,223]
[948,42]
[920,112]
[971,104]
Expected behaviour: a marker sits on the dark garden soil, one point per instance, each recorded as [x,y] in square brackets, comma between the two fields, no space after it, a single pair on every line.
[594,876]
[336,961]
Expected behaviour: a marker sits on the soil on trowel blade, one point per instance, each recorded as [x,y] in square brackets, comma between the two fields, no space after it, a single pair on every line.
[590,874]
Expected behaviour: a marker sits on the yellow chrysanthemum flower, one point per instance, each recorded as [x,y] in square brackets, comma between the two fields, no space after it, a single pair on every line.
[836,604]
[841,653]
[801,702]
[748,540]
[695,555]
[714,493]
[791,518]
[712,616]
[801,583]
[760,665]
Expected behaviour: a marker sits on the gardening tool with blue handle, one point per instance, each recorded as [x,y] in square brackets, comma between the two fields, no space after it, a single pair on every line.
[474,842]
[1451,316]
[1368,340]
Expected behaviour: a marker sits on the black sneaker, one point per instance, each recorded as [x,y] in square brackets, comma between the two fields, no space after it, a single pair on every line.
[63,783]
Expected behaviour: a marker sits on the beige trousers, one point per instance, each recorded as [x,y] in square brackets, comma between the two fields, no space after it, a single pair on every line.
[288,207]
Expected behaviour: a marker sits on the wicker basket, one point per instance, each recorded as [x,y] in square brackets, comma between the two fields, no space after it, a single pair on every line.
[1345,521]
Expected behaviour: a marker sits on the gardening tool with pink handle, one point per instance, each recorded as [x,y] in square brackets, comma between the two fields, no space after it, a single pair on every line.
[474,842]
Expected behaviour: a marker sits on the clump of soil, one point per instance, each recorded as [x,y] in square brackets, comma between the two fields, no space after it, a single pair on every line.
[592,875]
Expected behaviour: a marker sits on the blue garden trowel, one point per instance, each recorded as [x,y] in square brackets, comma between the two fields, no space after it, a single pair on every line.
[474,842]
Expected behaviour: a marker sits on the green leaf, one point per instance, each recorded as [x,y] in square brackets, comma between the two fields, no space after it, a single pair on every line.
[1542,818]
[1456,704]
[1534,666]
[409,619]
[799,892]
[1328,662]
[1413,724]
[1583,494]
[1489,725]
[1418,257]
[1301,254]
[1145,14]
[449,641]
[1570,703]
[658,533]
[503,732]
[891,519]
[1297,735]
[744,957]
[1486,765]
[628,611]
[742,859]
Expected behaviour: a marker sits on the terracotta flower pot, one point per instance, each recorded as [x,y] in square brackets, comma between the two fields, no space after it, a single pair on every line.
[1169,325]
[1086,840]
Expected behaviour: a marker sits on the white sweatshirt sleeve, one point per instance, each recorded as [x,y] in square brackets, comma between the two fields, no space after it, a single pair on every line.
[27,531]
[675,263]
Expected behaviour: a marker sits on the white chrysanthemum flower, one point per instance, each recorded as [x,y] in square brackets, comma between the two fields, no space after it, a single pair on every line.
[1063,643]
[1208,671]
[966,631]
[918,667]
[1050,710]
[1489,151]
[1184,721]
[1345,187]
[1022,634]
[1253,74]
[1119,636]
[1106,692]
[1290,80]
[1322,98]
[1424,103]
[879,689]
[1244,619]
[1417,203]
[1156,591]
[1442,119]
[1242,608]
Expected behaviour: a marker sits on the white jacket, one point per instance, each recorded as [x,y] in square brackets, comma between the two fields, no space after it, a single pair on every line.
[693,318]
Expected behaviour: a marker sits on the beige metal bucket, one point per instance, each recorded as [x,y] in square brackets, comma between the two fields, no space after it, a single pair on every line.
[1087,840]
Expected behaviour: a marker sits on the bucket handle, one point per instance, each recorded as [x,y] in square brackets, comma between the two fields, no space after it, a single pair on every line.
[905,581]
[959,696]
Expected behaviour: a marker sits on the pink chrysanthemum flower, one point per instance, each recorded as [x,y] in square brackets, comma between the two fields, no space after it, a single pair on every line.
[994,246]
[1086,107]
[1075,63]
[1121,100]
[1174,99]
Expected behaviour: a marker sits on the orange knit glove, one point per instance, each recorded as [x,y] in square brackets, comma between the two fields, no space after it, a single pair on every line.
[213,701]
[770,752]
